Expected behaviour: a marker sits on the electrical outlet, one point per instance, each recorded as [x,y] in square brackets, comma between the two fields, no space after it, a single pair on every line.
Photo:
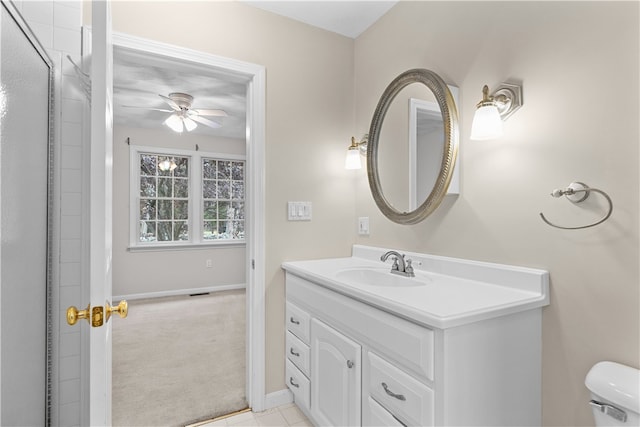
[209,263]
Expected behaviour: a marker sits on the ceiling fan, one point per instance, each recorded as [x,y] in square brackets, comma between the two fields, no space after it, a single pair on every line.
[183,116]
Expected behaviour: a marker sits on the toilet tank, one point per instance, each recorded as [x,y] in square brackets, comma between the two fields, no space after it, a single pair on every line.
[615,393]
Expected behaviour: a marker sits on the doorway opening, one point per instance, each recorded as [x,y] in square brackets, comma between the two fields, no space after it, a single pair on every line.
[177,264]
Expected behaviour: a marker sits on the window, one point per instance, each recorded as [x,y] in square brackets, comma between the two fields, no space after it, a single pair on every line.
[223,198]
[182,198]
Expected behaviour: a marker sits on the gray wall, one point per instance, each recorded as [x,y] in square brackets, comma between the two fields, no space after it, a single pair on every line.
[148,272]
[578,62]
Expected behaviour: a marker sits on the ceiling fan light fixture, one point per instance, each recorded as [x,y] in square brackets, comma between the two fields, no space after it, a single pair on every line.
[175,123]
[189,124]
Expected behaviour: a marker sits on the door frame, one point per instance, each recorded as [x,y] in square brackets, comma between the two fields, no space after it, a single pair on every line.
[255,212]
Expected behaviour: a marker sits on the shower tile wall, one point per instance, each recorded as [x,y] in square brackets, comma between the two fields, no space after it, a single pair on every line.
[57,26]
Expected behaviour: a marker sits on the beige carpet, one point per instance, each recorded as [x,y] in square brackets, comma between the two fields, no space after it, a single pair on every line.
[179,360]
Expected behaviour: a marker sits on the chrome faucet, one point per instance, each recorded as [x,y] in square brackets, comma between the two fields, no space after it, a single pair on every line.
[400,265]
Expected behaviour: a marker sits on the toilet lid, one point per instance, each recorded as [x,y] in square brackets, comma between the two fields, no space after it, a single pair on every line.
[619,384]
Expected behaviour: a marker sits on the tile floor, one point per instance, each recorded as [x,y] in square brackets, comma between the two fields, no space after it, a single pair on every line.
[283,416]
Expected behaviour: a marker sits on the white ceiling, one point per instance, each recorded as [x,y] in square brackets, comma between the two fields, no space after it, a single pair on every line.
[349,18]
[139,79]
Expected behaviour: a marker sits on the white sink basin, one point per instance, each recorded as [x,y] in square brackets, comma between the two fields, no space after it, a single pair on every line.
[380,277]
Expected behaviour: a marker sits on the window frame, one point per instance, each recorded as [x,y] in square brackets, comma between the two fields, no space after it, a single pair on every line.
[196,206]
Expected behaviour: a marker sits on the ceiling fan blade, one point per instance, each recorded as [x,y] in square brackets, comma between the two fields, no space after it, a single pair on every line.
[147,108]
[219,113]
[171,102]
[205,122]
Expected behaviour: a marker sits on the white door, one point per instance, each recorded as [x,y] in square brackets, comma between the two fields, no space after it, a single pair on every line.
[335,377]
[100,210]
[24,167]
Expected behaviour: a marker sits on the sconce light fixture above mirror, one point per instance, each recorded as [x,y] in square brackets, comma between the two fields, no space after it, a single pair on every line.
[355,150]
[494,109]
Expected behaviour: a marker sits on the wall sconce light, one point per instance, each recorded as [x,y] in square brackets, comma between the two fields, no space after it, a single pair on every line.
[355,150]
[494,109]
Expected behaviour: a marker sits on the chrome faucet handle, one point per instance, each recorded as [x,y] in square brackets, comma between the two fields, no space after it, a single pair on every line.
[408,269]
[395,265]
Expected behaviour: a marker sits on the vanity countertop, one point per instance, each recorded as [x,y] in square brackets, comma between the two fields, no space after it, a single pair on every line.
[455,291]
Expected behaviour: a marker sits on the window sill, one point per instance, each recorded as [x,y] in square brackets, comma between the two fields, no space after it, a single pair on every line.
[187,246]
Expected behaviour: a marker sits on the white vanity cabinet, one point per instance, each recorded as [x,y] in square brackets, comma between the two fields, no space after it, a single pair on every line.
[335,377]
[371,366]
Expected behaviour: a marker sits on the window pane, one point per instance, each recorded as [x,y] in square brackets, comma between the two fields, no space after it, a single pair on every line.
[224,170]
[180,230]
[148,164]
[164,160]
[224,229]
[182,167]
[147,209]
[165,209]
[210,210]
[224,190]
[209,168]
[181,209]
[147,186]
[238,209]
[237,188]
[164,231]
[164,187]
[210,231]
[237,171]
[238,229]
[181,188]
[224,210]
[209,189]
[147,231]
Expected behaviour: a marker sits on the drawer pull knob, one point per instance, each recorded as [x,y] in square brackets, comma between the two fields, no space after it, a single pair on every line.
[292,383]
[392,394]
[350,364]
[294,321]
[293,352]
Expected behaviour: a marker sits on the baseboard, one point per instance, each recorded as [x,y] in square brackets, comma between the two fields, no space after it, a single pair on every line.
[278,398]
[178,292]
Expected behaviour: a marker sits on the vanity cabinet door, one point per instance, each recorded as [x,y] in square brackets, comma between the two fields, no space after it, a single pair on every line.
[335,377]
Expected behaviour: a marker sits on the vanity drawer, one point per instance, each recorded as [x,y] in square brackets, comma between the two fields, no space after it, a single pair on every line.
[298,384]
[298,353]
[374,415]
[298,322]
[406,398]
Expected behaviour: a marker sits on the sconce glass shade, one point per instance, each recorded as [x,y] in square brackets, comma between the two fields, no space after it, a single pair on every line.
[175,123]
[487,123]
[352,161]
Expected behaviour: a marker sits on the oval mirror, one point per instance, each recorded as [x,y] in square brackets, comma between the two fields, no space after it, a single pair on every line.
[419,136]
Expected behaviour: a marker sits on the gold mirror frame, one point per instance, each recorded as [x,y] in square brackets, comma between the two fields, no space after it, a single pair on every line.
[450,120]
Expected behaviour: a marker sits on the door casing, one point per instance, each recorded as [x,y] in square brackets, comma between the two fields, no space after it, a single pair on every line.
[255,210]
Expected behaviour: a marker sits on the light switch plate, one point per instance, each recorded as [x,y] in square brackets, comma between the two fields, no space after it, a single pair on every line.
[363,226]
[299,211]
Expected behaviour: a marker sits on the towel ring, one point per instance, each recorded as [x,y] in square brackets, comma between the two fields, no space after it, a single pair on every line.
[570,194]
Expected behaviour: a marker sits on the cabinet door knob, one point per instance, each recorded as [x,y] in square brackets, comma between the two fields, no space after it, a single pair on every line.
[294,321]
[392,394]
[292,383]
[293,352]
[350,364]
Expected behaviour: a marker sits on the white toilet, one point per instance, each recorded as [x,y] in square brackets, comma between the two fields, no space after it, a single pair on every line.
[615,394]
